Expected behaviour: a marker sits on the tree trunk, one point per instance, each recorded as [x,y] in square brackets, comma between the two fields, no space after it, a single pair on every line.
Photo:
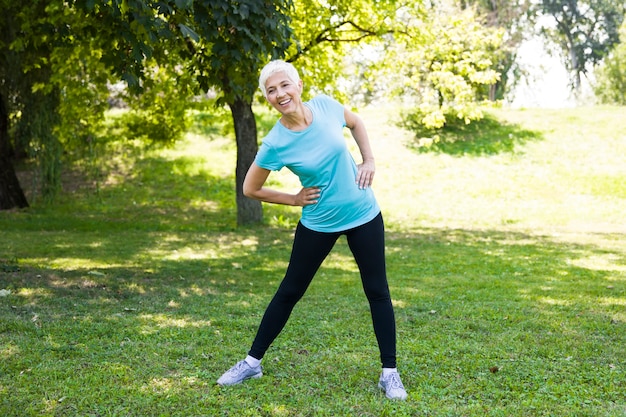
[11,194]
[248,210]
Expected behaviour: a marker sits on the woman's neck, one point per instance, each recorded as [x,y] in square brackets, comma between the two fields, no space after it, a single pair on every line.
[298,120]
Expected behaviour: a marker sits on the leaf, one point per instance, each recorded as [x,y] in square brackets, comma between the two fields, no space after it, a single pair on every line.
[187,32]
[184,4]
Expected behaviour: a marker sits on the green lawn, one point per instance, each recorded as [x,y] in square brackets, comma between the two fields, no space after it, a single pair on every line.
[507,264]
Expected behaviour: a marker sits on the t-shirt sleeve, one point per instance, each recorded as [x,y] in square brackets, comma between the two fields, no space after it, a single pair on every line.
[332,107]
[267,158]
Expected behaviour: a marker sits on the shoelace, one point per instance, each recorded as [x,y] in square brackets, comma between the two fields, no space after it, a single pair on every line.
[394,381]
[239,367]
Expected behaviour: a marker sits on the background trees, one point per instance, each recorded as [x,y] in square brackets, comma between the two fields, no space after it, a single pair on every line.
[444,64]
[57,59]
[583,30]
[24,70]
[235,39]
[51,44]
[611,75]
[325,36]
[513,18]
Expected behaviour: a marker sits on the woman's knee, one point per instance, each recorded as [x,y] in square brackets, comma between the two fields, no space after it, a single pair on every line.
[377,292]
[289,295]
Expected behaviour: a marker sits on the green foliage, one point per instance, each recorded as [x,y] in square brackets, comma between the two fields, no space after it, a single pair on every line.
[63,54]
[610,86]
[158,113]
[516,19]
[71,52]
[82,79]
[444,65]
[131,33]
[208,119]
[38,121]
[584,31]
[27,39]
[235,40]
[324,34]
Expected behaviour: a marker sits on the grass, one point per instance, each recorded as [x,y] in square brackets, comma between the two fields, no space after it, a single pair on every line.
[507,266]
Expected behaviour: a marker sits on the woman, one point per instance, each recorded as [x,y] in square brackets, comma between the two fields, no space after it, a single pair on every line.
[336,199]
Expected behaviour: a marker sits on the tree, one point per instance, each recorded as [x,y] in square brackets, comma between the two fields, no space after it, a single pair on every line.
[584,31]
[55,54]
[11,194]
[23,67]
[515,18]
[235,40]
[66,51]
[128,35]
[445,62]
[611,74]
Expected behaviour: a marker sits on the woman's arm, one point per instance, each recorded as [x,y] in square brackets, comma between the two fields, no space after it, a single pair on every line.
[366,170]
[253,188]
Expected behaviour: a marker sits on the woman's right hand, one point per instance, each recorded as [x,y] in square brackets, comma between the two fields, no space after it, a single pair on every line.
[307,196]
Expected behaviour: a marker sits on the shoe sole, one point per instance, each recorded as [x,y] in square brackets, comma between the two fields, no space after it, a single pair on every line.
[255,376]
[259,375]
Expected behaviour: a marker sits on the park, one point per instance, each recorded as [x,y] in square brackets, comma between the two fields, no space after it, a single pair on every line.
[137,283]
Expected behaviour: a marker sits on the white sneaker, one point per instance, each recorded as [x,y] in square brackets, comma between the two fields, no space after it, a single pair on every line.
[392,385]
[239,373]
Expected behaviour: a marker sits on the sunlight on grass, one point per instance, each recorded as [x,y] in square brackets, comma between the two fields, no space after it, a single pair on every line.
[176,247]
[187,253]
[197,291]
[607,262]
[610,301]
[279,410]
[9,350]
[161,385]
[399,303]
[34,293]
[509,189]
[134,288]
[239,303]
[554,301]
[163,321]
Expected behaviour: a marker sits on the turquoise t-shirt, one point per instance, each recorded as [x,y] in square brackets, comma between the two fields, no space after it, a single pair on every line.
[319,156]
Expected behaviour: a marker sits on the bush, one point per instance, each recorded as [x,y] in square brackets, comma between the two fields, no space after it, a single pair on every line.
[159,114]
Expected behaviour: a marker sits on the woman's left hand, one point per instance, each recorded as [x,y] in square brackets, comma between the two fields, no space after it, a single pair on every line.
[365,174]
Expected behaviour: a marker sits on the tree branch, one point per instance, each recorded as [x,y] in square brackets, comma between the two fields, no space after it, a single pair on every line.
[326,35]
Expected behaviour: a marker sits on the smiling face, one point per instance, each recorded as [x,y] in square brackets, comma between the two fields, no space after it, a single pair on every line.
[283,93]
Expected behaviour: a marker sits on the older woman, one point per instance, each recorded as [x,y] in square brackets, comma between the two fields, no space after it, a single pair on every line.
[336,199]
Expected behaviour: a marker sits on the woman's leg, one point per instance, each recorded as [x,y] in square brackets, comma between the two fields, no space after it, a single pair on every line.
[309,250]
[367,244]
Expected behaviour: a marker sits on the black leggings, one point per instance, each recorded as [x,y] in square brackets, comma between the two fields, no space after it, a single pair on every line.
[310,248]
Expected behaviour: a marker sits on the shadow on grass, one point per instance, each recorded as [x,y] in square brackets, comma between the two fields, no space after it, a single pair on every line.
[488,136]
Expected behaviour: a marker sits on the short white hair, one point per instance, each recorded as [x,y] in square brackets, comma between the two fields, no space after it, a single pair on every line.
[277,66]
